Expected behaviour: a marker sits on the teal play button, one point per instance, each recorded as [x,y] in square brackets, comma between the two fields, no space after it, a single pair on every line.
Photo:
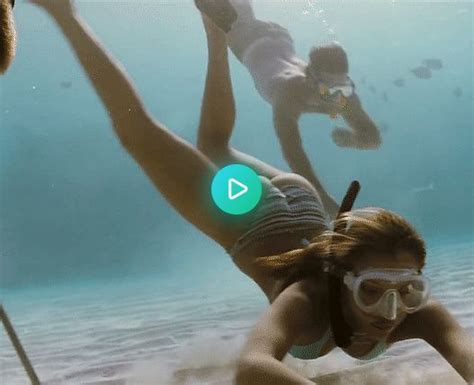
[236,189]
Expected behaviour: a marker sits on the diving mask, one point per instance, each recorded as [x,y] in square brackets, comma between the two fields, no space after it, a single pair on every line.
[332,85]
[386,292]
[345,90]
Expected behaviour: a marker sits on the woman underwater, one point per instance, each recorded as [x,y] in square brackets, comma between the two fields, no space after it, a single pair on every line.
[292,86]
[360,287]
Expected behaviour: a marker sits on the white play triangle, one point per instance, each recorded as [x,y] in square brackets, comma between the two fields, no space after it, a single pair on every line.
[231,187]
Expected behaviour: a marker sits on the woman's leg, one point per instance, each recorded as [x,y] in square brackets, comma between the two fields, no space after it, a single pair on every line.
[247,29]
[180,172]
[218,108]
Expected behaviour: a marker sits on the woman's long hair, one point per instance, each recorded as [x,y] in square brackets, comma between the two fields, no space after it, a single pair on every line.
[365,230]
[7,35]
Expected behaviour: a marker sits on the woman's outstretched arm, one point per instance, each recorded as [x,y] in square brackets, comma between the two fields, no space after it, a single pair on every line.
[180,172]
[291,314]
[439,328]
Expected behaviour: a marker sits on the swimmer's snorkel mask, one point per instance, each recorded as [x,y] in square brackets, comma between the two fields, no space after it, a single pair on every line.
[336,88]
[387,292]
[407,289]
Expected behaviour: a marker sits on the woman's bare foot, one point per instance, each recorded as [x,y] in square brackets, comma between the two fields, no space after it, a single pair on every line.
[221,12]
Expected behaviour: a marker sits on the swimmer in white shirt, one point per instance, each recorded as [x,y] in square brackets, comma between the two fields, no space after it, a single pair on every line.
[291,85]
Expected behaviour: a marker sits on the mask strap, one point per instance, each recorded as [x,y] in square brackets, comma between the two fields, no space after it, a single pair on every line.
[342,332]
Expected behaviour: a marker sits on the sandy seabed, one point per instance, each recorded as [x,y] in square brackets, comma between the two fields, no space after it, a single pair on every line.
[142,334]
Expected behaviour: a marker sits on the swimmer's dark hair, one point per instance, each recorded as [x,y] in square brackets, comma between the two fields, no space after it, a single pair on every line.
[329,58]
[369,229]
[7,35]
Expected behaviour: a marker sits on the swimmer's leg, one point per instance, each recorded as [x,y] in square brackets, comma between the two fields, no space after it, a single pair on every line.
[218,109]
[180,172]
[225,12]
[244,31]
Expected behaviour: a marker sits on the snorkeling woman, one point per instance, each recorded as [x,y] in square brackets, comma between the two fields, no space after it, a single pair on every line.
[360,287]
[7,34]
[292,86]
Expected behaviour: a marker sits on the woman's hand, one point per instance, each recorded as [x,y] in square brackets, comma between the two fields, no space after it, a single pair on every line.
[55,6]
[440,329]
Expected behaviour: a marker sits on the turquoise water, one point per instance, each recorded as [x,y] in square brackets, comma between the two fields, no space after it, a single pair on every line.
[75,208]
[92,259]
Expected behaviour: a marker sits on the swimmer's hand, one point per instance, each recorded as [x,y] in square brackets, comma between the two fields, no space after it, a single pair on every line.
[55,6]
[344,137]
[363,133]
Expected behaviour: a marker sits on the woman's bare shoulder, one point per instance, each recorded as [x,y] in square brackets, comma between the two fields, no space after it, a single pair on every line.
[291,315]
[303,300]
[309,290]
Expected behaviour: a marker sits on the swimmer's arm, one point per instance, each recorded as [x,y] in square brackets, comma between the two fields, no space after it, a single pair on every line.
[364,134]
[272,337]
[287,129]
[439,328]
[288,132]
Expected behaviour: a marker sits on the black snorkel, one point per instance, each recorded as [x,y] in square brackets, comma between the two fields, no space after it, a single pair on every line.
[341,331]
